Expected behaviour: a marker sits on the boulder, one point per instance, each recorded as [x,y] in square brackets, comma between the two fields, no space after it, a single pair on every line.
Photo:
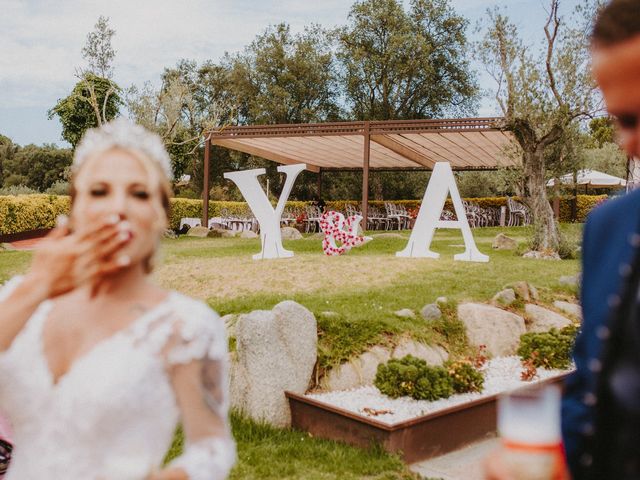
[570,308]
[533,291]
[504,242]
[433,355]
[497,329]
[248,234]
[276,350]
[290,233]
[570,280]
[441,300]
[216,232]
[405,313]
[504,298]
[521,290]
[357,372]
[541,255]
[168,233]
[541,319]
[200,232]
[431,312]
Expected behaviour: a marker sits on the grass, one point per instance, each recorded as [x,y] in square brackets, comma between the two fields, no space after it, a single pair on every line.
[363,289]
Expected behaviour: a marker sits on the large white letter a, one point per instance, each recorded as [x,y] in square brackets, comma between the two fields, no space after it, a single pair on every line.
[441,183]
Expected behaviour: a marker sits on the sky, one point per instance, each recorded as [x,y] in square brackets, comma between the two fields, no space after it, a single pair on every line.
[41,42]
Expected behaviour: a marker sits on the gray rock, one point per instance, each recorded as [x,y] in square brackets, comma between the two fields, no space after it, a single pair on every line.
[533,291]
[358,372]
[541,319]
[522,291]
[276,350]
[168,233]
[504,242]
[433,355]
[570,280]
[248,234]
[497,329]
[570,308]
[431,312]
[290,233]
[405,313]
[541,255]
[441,300]
[504,298]
[200,232]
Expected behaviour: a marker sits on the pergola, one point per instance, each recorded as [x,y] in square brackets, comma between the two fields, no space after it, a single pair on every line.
[467,143]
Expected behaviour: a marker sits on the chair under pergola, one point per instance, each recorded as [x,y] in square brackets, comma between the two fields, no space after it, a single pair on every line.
[408,145]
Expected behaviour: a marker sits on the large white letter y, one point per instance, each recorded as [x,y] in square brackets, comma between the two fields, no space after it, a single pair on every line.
[269,219]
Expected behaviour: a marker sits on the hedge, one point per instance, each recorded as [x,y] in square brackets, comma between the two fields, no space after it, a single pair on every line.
[31,212]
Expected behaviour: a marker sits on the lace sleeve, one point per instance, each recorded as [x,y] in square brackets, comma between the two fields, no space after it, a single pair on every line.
[8,288]
[198,362]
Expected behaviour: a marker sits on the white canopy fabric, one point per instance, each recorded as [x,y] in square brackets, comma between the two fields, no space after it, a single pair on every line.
[592,178]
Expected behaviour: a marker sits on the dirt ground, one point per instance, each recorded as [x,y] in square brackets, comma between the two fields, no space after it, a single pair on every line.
[229,277]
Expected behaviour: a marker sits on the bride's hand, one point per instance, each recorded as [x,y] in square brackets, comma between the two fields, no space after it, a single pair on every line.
[65,260]
[168,474]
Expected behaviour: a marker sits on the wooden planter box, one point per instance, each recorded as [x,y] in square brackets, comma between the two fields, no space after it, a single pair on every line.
[416,439]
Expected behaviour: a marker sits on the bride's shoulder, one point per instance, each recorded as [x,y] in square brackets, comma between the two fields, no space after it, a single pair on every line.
[199,328]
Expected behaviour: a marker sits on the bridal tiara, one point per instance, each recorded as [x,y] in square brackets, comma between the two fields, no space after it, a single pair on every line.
[124,134]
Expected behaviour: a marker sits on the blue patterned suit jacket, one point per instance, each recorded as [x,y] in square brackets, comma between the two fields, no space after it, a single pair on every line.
[611,238]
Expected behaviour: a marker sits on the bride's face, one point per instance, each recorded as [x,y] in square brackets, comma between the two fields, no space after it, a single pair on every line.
[119,183]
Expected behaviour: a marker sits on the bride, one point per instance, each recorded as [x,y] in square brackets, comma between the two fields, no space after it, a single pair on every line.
[98,365]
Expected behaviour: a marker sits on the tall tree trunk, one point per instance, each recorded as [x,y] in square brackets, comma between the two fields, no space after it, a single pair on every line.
[546,234]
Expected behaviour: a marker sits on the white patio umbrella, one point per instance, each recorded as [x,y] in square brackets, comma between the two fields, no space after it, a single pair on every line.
[592,178]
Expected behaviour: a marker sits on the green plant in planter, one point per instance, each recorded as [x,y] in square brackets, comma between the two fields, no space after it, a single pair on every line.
[411,376]
[465,377]
[550,349]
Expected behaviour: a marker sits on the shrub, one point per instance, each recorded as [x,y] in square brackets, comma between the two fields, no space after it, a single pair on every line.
[465,377]
[550,349]
[61,187]
[17,190]
[411,376]
[31,212]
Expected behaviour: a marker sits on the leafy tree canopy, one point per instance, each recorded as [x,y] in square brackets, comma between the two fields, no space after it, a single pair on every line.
[399,64]
[93,101]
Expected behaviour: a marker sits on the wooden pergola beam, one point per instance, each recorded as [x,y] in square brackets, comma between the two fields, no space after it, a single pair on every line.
[260,152]
[401,149]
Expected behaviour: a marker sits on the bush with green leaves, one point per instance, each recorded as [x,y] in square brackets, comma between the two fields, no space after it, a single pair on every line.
[465,377]
[411,376]
[550,349]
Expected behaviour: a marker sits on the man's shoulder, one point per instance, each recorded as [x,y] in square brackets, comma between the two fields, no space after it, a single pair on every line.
[624,207]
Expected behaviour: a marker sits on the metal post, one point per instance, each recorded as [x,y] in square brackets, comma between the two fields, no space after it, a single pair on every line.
[365,174]
[205,184]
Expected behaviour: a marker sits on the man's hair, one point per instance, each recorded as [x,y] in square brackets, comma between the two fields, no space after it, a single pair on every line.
[617,22]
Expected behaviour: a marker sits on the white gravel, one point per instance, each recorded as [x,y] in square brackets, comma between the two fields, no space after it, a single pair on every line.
[500,375]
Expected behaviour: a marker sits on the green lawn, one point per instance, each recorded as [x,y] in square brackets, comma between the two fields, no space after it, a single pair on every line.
[364,288]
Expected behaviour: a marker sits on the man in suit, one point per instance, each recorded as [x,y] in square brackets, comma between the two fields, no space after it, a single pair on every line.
[601,404]
[591,407]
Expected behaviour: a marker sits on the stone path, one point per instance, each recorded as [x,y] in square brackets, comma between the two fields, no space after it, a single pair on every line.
[463,464]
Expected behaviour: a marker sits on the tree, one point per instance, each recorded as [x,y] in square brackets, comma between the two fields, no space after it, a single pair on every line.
[602,131]
[98,51]
[93,101]
[36,167]
[190,101]
[285,78]
[542,93]
[406,65]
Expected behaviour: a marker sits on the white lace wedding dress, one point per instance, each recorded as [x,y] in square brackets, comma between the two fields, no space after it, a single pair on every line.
[113,414]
